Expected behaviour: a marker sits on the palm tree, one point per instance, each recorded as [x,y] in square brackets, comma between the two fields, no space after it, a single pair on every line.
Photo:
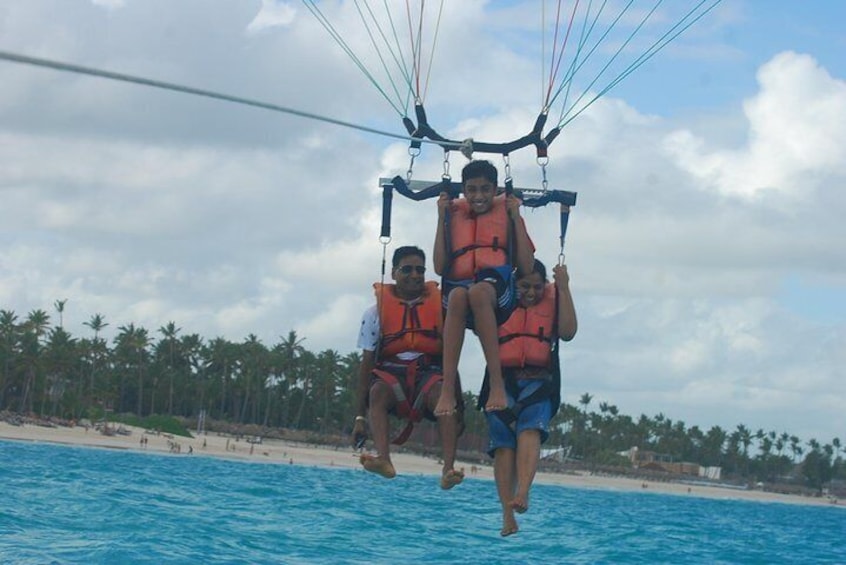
[745,436]
[191,347]
[36,324]
[9,344]
[350,364]
[60,368]
[131,351]
[795,448]
[305,376]
[328,380]
[59,305]
[169,332]
[97,323]
[290,349]
[712,446]
[584,400]
[255,360]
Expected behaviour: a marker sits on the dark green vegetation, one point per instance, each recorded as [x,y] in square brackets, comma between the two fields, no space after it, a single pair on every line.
[153,380]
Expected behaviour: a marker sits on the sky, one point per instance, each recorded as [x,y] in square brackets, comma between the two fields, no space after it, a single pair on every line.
[705,252]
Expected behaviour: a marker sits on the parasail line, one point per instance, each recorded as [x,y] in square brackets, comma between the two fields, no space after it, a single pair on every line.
[121,77]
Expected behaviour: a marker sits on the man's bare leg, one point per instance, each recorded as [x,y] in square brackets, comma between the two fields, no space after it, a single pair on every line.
[504,477]
[528,453]
[381,400]
[483,304]
[456,315]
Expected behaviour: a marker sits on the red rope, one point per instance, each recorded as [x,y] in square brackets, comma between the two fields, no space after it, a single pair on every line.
[554,63]
[415,45]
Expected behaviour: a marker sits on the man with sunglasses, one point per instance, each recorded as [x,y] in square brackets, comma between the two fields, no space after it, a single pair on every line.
[400,372]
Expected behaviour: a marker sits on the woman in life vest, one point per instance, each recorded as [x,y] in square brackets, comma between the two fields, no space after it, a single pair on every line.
[528,355]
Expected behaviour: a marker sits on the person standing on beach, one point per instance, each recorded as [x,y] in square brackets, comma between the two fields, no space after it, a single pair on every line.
[545,313]
[400,372]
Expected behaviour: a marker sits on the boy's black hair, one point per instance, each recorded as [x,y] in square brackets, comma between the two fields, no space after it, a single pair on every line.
[405,251]
[480,168]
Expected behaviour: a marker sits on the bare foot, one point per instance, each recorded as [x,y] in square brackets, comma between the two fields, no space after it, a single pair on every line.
[378,465]
[445,406]
[519,504]
[509,525]
[496,400]
[451,477]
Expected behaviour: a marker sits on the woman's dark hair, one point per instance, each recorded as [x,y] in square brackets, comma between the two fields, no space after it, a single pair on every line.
[539,268]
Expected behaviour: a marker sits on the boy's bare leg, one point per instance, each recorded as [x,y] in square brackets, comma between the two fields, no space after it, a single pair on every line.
[483,304]
[456,315]
[381,400]
[528,453]
[504,477]
[448,430]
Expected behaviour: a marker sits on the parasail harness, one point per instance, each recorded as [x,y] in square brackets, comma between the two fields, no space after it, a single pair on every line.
[532,198]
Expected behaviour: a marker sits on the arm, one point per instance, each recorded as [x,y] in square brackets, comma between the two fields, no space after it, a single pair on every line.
[567,323]
[359,431]
[367,342]
[439,253]
[524,250]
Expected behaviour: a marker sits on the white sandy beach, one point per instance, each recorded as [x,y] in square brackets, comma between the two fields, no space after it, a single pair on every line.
[284,452]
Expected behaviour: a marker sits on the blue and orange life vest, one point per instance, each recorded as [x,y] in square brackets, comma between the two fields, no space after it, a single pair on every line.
[526,339]
[479,241]
[409,326]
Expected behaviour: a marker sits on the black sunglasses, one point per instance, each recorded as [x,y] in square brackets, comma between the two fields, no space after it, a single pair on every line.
[406,269]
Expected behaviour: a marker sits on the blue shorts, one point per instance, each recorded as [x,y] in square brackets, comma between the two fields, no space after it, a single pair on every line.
[533,417]
[502,279]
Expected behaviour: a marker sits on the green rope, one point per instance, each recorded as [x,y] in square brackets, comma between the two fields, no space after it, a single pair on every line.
[694,15]
[378,51]
[401,64]
[310,4]
[432,54]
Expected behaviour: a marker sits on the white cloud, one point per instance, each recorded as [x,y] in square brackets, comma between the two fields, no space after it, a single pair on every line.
[796,129]
[272,13]
[110,4]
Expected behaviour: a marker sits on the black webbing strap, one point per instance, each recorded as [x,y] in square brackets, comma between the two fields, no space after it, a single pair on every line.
[424,131]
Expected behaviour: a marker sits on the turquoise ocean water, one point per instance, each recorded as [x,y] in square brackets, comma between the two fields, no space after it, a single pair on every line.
[80,505]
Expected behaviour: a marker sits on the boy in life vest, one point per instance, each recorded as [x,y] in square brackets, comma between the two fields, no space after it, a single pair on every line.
[400,372]
[480,242]
[545,313]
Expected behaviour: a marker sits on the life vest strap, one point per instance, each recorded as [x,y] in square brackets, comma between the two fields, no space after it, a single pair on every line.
[540,336]
[509,415]
[411,410]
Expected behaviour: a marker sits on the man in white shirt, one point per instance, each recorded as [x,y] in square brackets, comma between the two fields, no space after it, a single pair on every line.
[400,372]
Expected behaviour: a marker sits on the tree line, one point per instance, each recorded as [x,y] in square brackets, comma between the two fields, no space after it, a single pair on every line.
[47,371]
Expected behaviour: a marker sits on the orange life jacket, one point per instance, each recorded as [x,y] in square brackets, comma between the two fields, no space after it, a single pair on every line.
[409,326]
[477,242]
[526,336]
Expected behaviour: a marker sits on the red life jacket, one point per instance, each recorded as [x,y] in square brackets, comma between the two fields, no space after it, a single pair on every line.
[409,326]
[477,241]
[525,339]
